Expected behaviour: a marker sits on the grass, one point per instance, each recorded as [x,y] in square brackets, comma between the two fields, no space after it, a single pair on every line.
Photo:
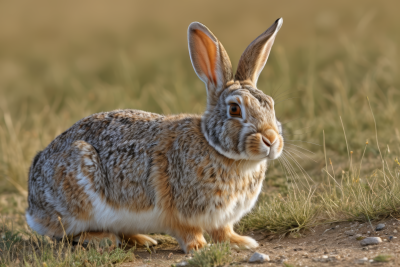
[30,249]
[382,258]
[218,254]
[333,72]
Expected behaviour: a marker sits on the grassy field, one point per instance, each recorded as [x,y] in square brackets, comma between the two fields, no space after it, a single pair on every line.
[333,71]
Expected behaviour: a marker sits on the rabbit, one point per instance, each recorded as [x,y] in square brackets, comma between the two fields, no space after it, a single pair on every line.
[126,173]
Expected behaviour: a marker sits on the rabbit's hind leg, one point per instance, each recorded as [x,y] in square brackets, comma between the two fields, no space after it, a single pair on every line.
[59,199]
[227,233]
[138,239]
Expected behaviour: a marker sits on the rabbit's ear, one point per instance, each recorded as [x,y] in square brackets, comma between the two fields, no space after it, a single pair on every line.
[209,60]
[256,54]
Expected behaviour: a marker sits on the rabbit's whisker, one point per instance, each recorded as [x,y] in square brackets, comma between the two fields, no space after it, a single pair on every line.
[293,150]
[274,91]
[284,167]
[299,166]
[285,135]
[280,93]
[292,170]
[302,142]
[301,148]
[290,167]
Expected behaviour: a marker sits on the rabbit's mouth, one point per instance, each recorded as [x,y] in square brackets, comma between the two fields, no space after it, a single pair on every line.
[266,141]
[273,144]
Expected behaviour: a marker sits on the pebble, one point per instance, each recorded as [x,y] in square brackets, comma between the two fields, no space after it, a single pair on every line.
[380,227]
[337,226]
[370,241]
[362,261]
[351,232]
[259,257]
[394,231]
[182,264]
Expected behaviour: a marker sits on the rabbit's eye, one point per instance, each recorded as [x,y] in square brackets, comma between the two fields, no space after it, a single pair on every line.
[234,110]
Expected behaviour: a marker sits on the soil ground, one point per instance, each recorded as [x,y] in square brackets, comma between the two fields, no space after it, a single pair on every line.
[324,245]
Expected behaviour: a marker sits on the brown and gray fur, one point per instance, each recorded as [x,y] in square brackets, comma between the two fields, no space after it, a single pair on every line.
[130,172]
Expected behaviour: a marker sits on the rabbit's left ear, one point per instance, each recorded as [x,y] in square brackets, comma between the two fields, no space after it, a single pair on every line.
[255,56]
[209,59]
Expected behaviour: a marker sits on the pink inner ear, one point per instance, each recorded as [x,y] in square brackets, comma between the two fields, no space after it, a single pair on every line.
[206,54]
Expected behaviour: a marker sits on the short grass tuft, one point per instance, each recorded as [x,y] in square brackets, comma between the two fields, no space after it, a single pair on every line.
[218,254]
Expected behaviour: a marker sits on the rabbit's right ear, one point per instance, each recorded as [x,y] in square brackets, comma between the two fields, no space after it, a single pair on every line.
[256,54]
[209,60]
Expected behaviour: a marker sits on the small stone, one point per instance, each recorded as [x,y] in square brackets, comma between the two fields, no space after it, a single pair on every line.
[182,264]
[362,261]
[395,231]
[350,232]
[370,241]
[354,225]
[325,256]
[337,226]
[390,238]
[259,257]
[368,232]
[380,227]
[385,240]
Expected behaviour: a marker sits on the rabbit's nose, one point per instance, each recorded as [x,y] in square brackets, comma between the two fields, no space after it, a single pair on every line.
[270,137]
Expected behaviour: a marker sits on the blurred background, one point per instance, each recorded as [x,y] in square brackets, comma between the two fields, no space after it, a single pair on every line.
[62,61]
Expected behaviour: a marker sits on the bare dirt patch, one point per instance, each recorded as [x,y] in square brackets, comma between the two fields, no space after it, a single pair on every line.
[333,244]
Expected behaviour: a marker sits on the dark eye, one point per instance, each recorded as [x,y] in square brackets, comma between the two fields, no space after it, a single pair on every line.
[235,111]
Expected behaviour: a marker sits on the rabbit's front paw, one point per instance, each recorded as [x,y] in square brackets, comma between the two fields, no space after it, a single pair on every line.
[227,233]
[243,242]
